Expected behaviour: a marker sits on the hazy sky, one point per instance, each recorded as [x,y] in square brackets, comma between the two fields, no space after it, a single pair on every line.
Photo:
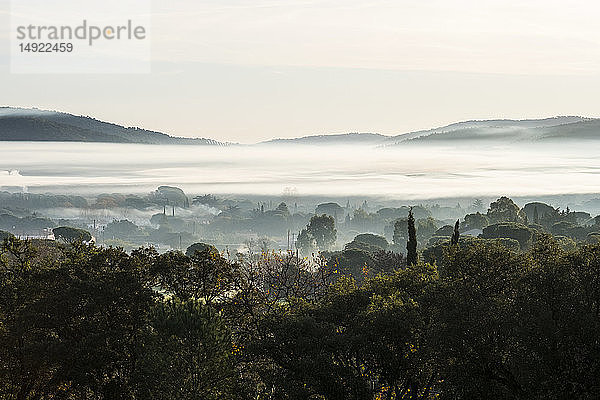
[247,70]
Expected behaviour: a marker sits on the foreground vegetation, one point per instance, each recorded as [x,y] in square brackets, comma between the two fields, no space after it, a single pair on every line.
[485,321]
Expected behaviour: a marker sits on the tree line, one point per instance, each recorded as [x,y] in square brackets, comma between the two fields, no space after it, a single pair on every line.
[79,321]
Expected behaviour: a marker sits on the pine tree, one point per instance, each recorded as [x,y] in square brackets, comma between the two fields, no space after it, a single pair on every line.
[411,245]
[456,234]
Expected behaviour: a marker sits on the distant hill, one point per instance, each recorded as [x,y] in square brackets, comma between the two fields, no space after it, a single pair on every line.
[338,139]
[532,130]
[482,132]
[21,124]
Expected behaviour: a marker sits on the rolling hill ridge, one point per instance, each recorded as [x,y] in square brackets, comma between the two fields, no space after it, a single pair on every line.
[20,124]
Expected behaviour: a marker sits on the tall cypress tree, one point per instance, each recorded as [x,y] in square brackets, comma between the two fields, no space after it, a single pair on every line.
[411,245]
[455,234]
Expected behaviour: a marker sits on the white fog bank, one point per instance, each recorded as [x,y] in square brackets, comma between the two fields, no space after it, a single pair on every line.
[407,172]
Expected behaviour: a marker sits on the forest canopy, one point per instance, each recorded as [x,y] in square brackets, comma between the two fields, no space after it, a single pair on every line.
[483,321]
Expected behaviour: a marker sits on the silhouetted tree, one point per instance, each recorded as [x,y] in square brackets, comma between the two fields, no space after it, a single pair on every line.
[455,234]
[188,353]
[70,235]
[322,229]
[505,210]
[306,242]
[411,245]
[476,221]
[200,247]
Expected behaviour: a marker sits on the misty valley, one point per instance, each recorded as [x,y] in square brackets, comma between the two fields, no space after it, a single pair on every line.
[172,196]
[326,267]
[299,200]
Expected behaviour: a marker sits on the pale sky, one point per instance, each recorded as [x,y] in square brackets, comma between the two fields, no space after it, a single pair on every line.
[245,70]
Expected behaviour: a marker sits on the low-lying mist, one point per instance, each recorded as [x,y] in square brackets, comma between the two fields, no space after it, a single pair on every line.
[140,217]
[404,171]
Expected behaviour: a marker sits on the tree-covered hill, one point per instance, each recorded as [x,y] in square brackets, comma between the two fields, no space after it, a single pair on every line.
[19,124]
[507,131]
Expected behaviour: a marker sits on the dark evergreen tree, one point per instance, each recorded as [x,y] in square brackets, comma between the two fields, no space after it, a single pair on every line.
[455,234]
[70,235]
[306,242]
[411,245]
[322,229]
